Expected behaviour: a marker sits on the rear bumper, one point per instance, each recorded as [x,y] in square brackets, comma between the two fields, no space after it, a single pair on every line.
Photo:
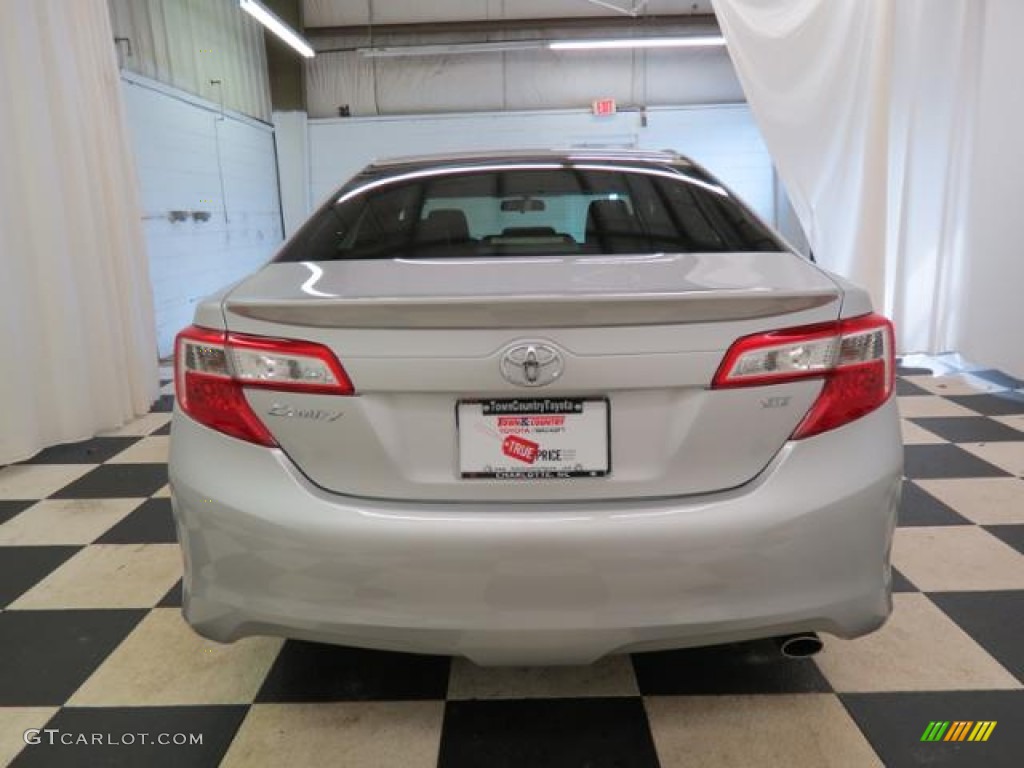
[805,546]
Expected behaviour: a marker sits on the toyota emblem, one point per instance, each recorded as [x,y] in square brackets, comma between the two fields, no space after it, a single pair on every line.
[531,365]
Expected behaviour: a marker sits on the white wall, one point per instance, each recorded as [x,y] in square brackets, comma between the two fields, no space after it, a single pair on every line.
[194,160]
[992,327]
[317,13]
[190,43]
[724,138]
[291,131]
[511,81]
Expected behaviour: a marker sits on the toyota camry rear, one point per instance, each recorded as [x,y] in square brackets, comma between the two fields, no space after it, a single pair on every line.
[535,408]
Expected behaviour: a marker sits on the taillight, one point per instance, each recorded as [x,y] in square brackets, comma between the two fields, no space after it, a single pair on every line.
[855,357]
[211,368]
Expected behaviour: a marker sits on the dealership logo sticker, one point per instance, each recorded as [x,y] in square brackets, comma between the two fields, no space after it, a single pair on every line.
[519,425]
[519,448]
[958,730]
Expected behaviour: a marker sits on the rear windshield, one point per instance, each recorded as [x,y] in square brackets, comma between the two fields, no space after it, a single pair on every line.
[522,211]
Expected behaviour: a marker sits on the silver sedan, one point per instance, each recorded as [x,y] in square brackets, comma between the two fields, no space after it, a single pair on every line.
[535,408]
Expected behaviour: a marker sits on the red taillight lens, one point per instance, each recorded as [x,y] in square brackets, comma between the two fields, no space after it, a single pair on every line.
[855,357]
[211,368]
[219,404]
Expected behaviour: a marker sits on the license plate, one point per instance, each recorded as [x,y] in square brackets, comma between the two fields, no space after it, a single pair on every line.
[534,438]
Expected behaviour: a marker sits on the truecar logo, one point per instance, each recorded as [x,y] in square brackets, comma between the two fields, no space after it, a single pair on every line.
[958,730]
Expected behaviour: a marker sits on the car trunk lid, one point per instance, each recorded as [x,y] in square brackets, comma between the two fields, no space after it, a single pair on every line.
[639,339]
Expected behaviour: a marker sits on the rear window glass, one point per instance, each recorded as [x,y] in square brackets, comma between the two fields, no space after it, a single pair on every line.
[527,212]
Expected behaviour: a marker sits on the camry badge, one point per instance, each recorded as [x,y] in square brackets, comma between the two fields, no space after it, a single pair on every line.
[314,414]
[531,365]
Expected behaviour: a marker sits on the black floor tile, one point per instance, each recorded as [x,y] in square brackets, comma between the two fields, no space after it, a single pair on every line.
[895,722]
[901,583]
[999,378]
[46,655]
[151,523]
[551,733]
[164,430]
[10,507]
[918,507]
[996,622]
[111,481]
[94,451]
[995,404]
[164,404]
[135,732]
[1011,534]
[970,429]
[905,388]
[315,672]
[23,567]
[173,597]
[947,460]
[737,668]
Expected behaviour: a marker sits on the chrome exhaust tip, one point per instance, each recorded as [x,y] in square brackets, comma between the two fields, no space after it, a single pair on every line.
[799,646]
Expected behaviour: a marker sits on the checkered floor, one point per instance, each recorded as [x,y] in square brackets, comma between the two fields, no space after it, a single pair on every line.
[92,644]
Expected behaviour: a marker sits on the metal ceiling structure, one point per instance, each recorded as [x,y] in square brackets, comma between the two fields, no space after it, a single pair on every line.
[381,57]
[633,10]
[340,14]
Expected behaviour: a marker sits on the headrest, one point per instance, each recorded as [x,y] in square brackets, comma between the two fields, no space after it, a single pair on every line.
[601,212]
[445,224]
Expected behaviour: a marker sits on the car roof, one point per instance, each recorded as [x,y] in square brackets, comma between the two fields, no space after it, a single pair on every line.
[571,155]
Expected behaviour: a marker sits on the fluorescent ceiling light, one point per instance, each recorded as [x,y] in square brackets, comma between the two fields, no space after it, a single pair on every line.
[704,41]
[270,20]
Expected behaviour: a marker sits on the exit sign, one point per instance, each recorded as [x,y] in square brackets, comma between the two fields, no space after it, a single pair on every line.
[602,107]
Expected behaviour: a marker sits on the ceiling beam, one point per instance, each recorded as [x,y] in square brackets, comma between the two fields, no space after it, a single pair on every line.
[704,21]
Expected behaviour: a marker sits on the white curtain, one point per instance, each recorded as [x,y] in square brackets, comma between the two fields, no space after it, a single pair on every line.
[77,343]
[867,107]
[992,321]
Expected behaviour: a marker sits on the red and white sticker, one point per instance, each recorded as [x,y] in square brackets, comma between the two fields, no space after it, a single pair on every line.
[519,449]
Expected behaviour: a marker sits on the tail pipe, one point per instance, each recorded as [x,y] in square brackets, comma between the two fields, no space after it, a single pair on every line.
[799,646]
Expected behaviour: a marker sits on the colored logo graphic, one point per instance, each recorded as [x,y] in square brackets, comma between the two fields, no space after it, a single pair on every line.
[958,730]
[520,448]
